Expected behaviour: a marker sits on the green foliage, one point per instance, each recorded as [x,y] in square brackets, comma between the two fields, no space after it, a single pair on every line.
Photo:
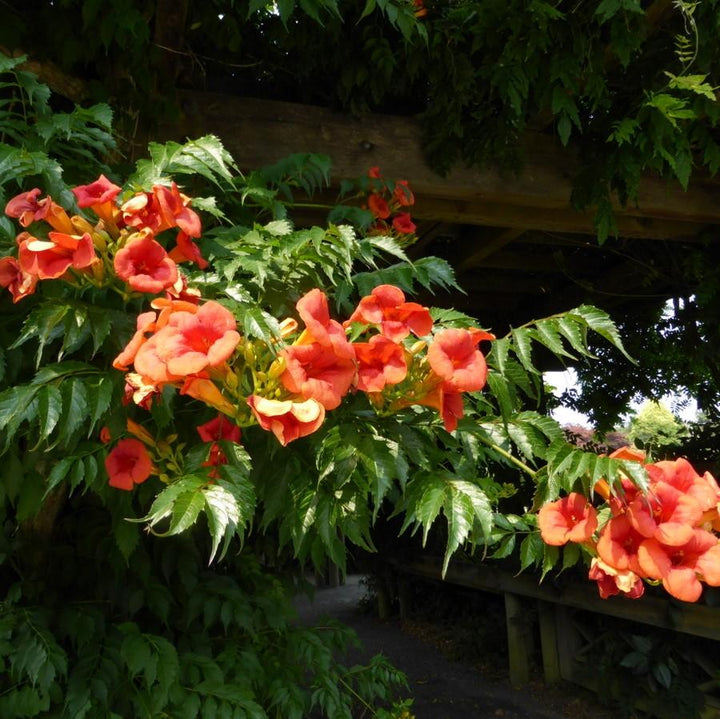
[42,144]
[106,620]
[657,669]
[205,157]
[360,462]
[656,430]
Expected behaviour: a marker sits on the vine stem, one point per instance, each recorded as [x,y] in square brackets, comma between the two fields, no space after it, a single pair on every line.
[508,456]
[356,695]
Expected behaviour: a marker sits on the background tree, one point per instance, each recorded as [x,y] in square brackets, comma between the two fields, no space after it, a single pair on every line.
[656,430]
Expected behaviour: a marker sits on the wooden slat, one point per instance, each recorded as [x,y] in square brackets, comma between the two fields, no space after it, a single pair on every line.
[487,248]
[514,260]
[563,219]
[519,640]
[549,642]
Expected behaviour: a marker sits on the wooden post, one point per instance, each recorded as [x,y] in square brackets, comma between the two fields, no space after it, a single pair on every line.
[384,599]
[568,642]
[403,588]
[333,574]
[519,640]
[549,642]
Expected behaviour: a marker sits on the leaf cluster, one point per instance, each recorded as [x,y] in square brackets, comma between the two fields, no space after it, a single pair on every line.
[107,620]
[39,142]
[164,635]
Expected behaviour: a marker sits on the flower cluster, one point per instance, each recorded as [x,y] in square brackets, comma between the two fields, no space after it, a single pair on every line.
[388,348]
[286,388]
[389,203]
[118,246]
[666,535]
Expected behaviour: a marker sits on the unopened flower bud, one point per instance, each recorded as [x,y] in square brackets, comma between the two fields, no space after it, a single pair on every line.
[163,448]
[276,368]
[249,353]
[141,433]
[81,225]
[98,271]
[418,347]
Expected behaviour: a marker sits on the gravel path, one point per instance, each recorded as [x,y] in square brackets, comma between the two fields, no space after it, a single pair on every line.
[442,689]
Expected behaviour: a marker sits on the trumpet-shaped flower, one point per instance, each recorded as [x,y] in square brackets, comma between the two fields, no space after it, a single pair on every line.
[680,567]
[453,356]
[385,306]
[145,323]
[680,474]
[666,514]
[187,251]
[287,420]
[314,371]
[220,428]
[449,405]
[96,193]
[15,279]
[378,206]
[570,519]
[403,223]
[189,343]
[618,544]
[27,208]
[315,313]
[140,390]
[145,266]
[163,208]
[128,464]
[173,209]
[141,213]
[612,581]
[99,196]
[402,194]
[50,259]
[380,362]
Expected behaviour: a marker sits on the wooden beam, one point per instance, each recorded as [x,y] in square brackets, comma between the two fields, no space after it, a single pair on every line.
[568,220]
[694,619]
[259,132]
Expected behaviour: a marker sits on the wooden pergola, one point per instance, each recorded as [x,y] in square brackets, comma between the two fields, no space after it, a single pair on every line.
[520,250]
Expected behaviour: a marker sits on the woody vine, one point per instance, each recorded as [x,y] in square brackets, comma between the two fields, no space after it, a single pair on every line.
[287,382]
[176,355]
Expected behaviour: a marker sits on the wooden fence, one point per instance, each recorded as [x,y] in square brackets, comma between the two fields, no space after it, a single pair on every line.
[553,614]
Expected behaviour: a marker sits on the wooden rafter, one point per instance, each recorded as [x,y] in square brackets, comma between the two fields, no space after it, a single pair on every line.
[487,248]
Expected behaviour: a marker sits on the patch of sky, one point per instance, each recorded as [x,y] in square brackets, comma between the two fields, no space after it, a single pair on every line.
[683,407]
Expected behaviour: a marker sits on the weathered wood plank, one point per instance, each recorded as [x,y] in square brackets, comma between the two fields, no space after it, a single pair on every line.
[519,640]
[694,619]
[549,642]
[259,132]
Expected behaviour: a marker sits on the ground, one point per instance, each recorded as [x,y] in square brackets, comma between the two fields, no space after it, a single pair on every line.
[443,688]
